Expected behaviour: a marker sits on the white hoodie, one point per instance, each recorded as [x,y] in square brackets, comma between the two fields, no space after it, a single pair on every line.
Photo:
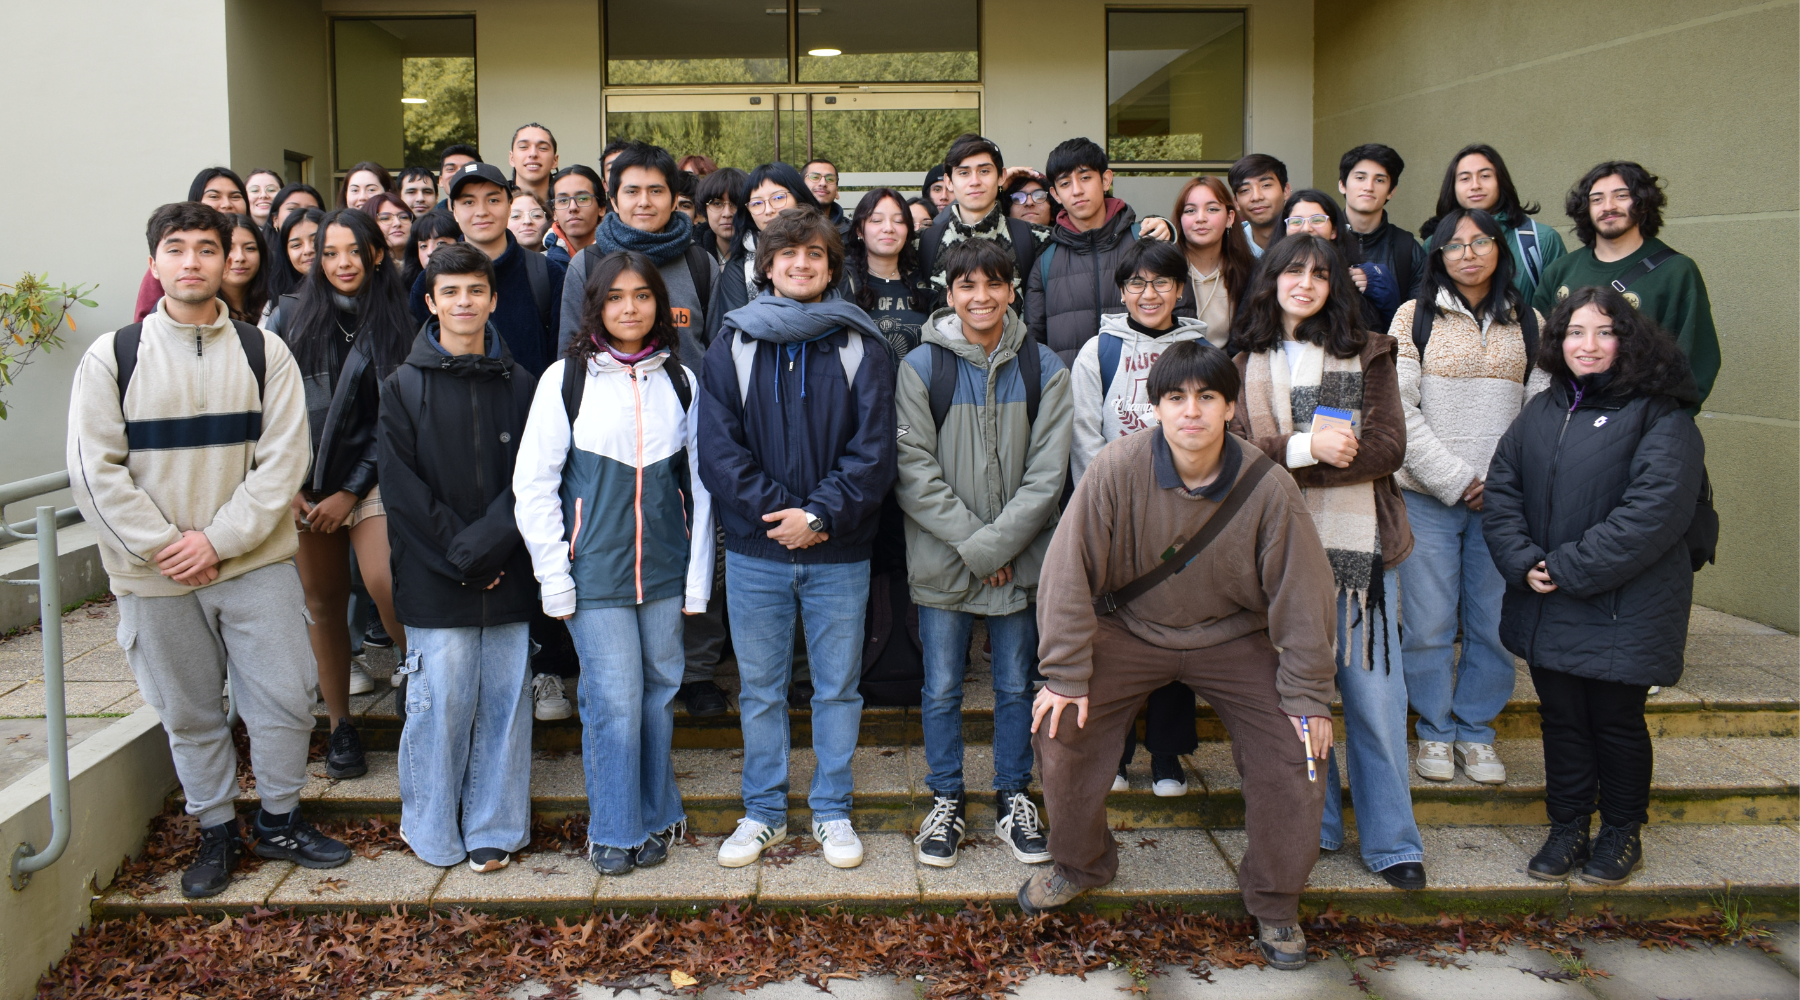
[1124,407]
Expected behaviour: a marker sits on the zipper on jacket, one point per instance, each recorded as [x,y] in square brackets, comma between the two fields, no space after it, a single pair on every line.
[1550,510]
[637,499]
[200,365]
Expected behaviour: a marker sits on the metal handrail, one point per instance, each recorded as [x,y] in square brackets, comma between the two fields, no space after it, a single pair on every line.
[24,859]
[25,489]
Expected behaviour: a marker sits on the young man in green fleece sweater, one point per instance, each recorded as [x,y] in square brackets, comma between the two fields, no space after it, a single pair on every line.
[1617,211]
[1247,624]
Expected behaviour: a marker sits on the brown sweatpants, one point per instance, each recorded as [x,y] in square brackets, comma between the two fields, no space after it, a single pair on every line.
[1237,679]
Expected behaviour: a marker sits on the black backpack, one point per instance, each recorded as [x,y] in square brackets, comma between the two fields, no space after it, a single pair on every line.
[893,662]
[943,379]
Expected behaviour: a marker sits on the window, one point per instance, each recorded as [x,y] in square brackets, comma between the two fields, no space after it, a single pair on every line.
[404,88]
[679,42]
[1175,86]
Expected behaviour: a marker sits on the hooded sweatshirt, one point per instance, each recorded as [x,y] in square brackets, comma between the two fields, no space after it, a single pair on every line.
[981,492]
[1108,412]
[784,428]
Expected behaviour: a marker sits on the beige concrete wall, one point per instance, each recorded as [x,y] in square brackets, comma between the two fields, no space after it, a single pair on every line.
[1704,94]
[366,78]
[141,110]
[276,64]
[535,60]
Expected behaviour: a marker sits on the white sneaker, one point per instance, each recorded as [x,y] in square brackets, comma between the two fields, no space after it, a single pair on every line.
[746,843]
[1121,783]
[1434,763]
[1654,689]
[1480,763]
[843,849]
[360,681]
[548,703]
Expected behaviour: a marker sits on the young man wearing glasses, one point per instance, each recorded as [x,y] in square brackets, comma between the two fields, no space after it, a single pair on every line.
[577,205]
[1070,289]
[821,176]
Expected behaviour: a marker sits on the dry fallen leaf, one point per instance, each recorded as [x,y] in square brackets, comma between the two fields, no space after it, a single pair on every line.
[680,979]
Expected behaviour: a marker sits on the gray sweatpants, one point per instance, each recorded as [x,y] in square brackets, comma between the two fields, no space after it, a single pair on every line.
[178,648]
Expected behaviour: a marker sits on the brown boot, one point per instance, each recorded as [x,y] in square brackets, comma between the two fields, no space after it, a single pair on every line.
[1282,947]
[1046,890]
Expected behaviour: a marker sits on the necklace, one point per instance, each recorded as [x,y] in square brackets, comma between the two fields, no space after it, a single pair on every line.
[349,335]
[885,277]
[1204,278]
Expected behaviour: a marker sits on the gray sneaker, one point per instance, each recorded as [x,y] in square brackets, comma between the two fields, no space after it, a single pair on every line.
[1481,763]
[1282,947]
[1046,890]
[1433,762]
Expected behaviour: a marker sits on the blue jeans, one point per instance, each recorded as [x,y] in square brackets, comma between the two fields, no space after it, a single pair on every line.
[631,663]
[467,741]
[763,598]
[1375,732]
[1449,565]
[945,635]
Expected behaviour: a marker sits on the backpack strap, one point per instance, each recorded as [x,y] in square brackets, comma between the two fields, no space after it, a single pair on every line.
[1260,465]
[1624,281]
[537,269]
[1422,314]
[251,340]
[1528,248]
[1044,265]
[125,352]
[700,272]
[684,391]
[943,383]
[574,383]
[1109,350]
[1528,329]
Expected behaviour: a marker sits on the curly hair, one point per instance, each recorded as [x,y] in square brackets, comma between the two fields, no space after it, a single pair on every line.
[1648,362]
[1647,199]
[663,334]
[1257,326]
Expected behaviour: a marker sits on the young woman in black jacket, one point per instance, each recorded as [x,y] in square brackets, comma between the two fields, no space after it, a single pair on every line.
[349,328]
[1588,503]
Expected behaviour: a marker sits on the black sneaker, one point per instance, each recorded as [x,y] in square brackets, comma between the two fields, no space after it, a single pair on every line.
[1016,821]
[610,860]
[1408,875]
[941,835]
[297,841]
[488,859]
[344,753]
[376,634]
[1167,778]
[220,850]
[800,694]
[1618,851]
[655,848]
[1565,850]
[703,699]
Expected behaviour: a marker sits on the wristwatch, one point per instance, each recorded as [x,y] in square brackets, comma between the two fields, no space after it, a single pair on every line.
[815,522]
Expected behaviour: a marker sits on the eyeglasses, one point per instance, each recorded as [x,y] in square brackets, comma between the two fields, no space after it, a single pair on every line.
[821,178]
[1163,286]
[583,200]
[719,203]
[1037,197]
[775,203]
[1482,245]
[1302,221]
[529,215]
[386,217]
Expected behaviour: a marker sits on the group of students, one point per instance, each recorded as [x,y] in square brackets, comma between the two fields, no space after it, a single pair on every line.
[672,424]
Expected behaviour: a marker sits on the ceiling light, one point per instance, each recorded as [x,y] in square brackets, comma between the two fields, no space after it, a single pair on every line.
[825,52]
[412,100]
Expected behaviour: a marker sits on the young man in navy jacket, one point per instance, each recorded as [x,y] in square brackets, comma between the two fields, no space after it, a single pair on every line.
[797,416]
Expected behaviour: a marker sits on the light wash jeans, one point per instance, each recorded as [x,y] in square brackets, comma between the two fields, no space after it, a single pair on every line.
[1449,565]
[467,741]
[1375,734]
[631,663]
[945,636]
[764,597]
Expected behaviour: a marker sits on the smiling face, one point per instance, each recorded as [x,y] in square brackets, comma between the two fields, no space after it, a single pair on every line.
[1475,268]
[419,193]
[980,300]
[190,264]
[1260,198]
[262,188]
[1150,299]
[1302,288]
[644,201]
[629,312]
[884,231]
[1204,218]
[481,209]
[1610,207]
[1194,418]
[222,194]
[1477,183]
[766,202]
[528,221]
[577,207]
[532,156]
[342,260]
[461,302]
[822,180]
[1031,202]
[976,184]
[395,224]
[301,248]
[1310,217]
[1589,345]
[801,273]
[242,261]
[359,187]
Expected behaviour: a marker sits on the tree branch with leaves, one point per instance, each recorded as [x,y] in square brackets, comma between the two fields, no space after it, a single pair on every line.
[33,312]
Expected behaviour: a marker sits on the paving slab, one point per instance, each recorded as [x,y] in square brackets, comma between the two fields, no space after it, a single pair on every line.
[1787,943]
[393,878]
[1475,976]
[691,877]
[1169,866]
[1706,621]
[1778,654]
[985,870]
[247,890]
[1324,979]
[24,743]
[539,882]
[79,698]
[1734,973]
[888,876]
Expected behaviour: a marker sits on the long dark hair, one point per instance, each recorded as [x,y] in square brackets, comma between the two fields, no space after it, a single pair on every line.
[1236,261]
[1504,303]
[1510,210]
[256,293]
[663,335]
[783,174]
[197,190]
[1647,199]
[281,198]
[383,324]
[1257,326]
[429,226]
[856,252]
[284,279]
[1648,362]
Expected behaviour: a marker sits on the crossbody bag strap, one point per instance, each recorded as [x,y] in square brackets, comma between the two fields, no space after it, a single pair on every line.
[1624,281]
[1260,465]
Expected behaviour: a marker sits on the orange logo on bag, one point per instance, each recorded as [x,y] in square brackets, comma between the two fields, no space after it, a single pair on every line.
[681,316]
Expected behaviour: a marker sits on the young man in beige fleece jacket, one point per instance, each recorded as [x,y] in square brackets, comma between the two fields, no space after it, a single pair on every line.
[185,467]
[1247,624]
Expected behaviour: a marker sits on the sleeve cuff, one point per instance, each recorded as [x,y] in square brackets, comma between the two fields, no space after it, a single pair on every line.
[1305,708]
[694,606]
[1299,450]
[1068,689]
[225,542]
[560,604]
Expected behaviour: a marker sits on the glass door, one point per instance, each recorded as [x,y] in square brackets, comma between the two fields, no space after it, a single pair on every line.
[737,130]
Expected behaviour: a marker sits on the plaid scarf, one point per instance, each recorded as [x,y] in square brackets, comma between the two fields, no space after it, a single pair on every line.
[1278,402]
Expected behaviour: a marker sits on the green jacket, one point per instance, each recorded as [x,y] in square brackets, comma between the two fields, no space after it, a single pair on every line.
[1549,249]
[982,492]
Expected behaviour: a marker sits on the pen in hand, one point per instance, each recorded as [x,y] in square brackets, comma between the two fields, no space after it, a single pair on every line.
[1312,773]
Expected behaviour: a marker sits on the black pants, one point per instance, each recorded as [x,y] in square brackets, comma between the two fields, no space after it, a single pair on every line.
[1596,748]
[1168,724]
